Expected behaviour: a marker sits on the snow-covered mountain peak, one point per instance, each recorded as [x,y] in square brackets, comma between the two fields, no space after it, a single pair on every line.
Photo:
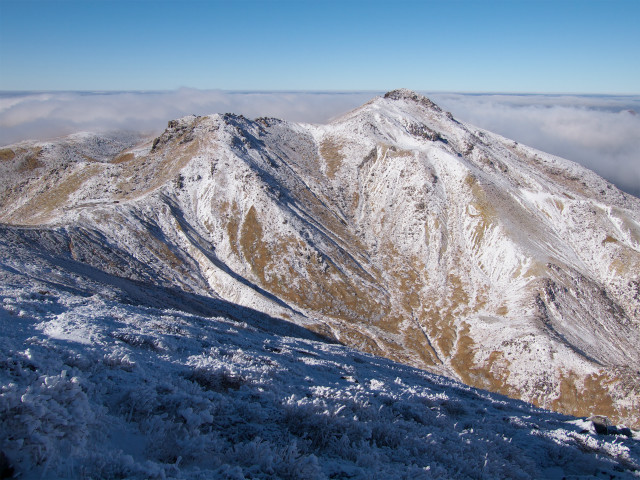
[394,229]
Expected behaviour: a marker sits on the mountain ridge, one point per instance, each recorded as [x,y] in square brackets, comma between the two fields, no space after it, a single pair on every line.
[395,229]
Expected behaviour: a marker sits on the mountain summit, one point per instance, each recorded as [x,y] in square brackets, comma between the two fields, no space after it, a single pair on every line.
[404,94]
[395,229]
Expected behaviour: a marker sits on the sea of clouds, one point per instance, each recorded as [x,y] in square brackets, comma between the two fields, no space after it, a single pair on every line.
[600,132]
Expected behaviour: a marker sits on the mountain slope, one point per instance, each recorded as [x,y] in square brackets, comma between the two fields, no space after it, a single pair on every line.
[100,380]
[395,229]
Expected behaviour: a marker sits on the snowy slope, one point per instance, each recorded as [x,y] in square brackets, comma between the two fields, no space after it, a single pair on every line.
[98,381]
[395,229]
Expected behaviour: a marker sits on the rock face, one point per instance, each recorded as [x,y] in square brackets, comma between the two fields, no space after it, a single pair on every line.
[395,229]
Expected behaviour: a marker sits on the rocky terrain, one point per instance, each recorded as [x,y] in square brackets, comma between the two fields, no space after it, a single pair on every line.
[396,229]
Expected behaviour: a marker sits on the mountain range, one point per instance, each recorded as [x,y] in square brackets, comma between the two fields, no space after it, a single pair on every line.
[395,229]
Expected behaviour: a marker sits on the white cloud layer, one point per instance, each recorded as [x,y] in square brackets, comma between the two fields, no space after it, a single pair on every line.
[600,132]
[46,115]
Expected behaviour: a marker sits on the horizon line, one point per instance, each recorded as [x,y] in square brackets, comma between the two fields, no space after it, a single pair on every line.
[316,92]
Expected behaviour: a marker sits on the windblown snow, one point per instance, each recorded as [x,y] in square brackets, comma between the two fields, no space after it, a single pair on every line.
[262,299]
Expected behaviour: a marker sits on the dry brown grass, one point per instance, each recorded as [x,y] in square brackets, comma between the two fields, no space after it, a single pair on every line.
[393,152]
[535,270]
[627,264]
[440,321]
[559,205]
[558,175]
[153,171]
[163,252]
[585,396]
[6,154]
[491,375]
[415,342]
[123,158]
[320,286]
[330,150]
[486,214]
[31,161]
[40,207]
[578,396]
[232,214]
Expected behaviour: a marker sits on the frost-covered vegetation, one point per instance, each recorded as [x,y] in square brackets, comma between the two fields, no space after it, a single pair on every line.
[92,386]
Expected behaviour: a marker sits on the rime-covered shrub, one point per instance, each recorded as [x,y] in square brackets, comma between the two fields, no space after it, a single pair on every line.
[48,419]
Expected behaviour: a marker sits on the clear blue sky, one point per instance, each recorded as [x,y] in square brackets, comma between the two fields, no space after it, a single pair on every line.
[585,46]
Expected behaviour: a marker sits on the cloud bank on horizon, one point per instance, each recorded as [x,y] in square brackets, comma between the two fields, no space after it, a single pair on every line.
[600,132]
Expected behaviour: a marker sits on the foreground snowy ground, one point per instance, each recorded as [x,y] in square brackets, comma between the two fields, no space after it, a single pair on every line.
[98,380]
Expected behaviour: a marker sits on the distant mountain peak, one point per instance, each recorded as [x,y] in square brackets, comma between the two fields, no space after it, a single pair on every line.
[406,94]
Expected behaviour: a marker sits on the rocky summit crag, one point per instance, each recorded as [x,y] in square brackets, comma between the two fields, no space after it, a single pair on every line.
[395,229]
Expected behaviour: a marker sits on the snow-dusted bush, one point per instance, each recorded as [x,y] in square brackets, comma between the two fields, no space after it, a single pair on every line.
[48,419]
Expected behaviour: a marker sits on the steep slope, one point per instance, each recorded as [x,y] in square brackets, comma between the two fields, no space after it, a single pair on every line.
[99,379]
[395,229]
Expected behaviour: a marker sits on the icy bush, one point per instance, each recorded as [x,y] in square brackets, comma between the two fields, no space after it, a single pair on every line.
[48,419]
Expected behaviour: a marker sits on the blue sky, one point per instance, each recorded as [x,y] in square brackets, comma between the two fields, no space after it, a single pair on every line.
[586,46]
